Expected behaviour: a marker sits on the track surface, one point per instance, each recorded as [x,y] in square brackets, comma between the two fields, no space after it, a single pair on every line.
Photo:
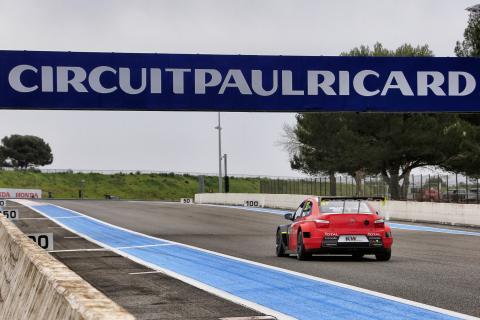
[439,269]
[146,295]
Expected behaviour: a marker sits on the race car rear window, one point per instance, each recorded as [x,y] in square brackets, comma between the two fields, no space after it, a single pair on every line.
[344,206]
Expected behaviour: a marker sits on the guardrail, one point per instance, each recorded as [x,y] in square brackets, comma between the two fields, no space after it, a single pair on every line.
[34,285]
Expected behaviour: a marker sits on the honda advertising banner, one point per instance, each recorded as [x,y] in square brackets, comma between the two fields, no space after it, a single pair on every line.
[8,193]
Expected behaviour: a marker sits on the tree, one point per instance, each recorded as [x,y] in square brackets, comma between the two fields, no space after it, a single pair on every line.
[24,151]
[330,153]
[391,145]
[408,141]
[388,144]
[470,46]
[469,162]
[405,50]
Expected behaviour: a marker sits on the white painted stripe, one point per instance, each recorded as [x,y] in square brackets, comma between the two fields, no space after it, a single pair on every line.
[79,250]
[68,217]
[24,202]
[145,246]
[154,202]
[47,218]
[247,303]
[145,272]
[249,318]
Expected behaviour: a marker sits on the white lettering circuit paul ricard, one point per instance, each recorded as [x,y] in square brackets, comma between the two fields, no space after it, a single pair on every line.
[66,79]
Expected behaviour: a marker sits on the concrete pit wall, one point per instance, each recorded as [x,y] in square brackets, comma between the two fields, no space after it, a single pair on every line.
[443,213]
[34,285]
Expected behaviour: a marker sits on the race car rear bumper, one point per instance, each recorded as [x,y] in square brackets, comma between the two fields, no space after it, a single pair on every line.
[331,245]
[364,250]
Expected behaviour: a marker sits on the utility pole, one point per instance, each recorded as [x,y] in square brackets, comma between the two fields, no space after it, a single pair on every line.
[82,189]
[227,182]
[219,128]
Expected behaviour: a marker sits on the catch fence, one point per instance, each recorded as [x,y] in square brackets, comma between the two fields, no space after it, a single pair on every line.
[433,187]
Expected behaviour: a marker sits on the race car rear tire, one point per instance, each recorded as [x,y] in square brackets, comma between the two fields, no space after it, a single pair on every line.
[280,246]
[301,253]
[384,255]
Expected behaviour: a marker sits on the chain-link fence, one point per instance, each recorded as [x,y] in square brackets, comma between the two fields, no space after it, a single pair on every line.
[342,185]
[436,188]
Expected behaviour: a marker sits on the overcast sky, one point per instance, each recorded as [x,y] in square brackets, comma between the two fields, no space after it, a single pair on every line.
[187,141]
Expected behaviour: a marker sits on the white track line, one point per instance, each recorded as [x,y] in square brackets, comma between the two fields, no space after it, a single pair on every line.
[145,272]
[145,246]
[249,318]
[79,250]
[67,217]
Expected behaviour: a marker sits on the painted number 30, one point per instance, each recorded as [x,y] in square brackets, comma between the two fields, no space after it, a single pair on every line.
[41,240]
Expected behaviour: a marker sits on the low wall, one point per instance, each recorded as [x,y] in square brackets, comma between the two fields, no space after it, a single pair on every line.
[34,285]
[444,213]
[277,201]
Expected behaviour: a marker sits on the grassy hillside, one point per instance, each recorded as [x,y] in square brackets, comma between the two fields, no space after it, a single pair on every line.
[125,186]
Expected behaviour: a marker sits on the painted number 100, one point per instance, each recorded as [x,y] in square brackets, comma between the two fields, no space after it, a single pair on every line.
[251,203]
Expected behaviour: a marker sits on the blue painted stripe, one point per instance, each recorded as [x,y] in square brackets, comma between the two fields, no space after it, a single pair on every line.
[432,229]
[95,230]
[399,226]
[297,296]
[56,212]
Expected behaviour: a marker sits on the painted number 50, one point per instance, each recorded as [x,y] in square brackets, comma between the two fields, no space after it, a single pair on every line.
[10,214]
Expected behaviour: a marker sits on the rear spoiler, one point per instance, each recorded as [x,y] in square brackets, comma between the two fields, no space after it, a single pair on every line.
[331,198]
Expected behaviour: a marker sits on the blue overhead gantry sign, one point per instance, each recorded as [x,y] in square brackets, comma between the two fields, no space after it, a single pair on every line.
[197,82]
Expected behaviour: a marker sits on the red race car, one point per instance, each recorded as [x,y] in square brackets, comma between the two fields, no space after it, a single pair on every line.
[338,225]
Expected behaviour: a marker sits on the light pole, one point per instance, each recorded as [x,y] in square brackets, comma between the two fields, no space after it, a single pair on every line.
[82,188]
[227,180]
[219,128]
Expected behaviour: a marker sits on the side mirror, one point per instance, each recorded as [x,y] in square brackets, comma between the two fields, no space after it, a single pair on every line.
[288,216]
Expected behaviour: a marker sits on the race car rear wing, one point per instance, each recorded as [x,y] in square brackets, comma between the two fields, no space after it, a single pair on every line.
[340,198]
[324,200]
